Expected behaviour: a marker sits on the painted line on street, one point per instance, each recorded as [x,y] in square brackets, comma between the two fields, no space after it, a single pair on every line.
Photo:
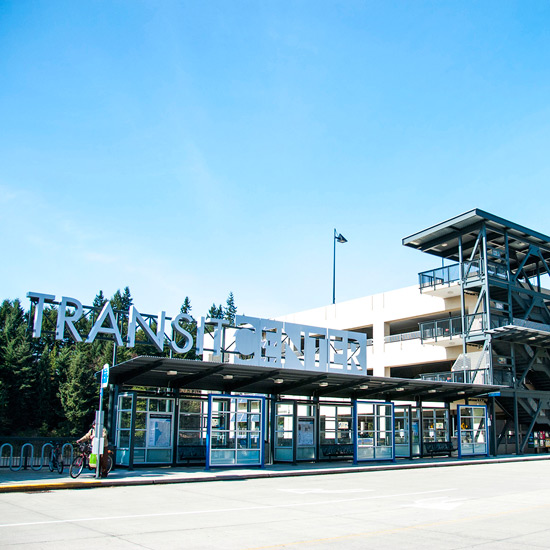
[223,510]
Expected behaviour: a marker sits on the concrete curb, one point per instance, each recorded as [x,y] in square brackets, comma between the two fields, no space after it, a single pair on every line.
[234,476]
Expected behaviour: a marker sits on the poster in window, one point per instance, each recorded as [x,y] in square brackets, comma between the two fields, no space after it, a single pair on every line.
[305,433]
[159,430]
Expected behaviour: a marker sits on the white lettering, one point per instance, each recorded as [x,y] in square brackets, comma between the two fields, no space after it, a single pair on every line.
[106,313]
[69,320]
[156,339]
[176,327]
[248,339]
[38,311]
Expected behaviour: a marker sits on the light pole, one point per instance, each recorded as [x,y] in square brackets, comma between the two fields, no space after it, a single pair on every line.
[338,237]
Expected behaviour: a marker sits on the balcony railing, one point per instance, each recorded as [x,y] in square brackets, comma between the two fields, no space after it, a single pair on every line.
[402,337]
[452,326]
[497,271]
[473,269]
[451,274]
[480,376]
[442,328]
[501,377]
[441,276]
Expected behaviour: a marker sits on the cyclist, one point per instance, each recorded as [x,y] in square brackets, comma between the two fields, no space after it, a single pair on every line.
[103,465]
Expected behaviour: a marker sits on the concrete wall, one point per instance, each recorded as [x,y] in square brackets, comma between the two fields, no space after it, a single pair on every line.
[377,313]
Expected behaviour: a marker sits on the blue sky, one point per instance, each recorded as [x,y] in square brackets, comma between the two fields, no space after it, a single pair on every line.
[196,148]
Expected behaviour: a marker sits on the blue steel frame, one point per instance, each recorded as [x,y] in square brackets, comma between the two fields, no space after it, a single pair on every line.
[356,431]
[211,398]
[459,426]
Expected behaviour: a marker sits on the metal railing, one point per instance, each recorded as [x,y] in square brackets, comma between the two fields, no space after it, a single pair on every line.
[501,377]
[452,326]
[451,274]
[441,276]
[479,376]
[497,271]
[402,337]
[442,328]
[23,456]
[473,269]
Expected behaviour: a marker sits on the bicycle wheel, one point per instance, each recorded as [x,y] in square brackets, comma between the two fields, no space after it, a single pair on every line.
[51,465]
[109,463]
[60,466]
[76,467]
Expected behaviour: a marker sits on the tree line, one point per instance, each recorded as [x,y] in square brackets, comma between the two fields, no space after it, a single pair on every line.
[49,387]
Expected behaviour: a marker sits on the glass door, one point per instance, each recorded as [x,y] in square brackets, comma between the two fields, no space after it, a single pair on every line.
[192,425]
[153,432]
[125,411]
[336,430]
[472,430]
[284,432]
[374,427]
[306,433]
[235,431]
[403,431]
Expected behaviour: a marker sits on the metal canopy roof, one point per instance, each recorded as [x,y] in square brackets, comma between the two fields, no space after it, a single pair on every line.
[523,334]
[442,239]
[165,372]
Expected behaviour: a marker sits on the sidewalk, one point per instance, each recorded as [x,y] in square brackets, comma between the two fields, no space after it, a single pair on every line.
[44,480]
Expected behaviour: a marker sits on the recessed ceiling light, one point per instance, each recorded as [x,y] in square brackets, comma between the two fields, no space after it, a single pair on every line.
[278,380]
[323,384]
[171,372]
[228,377]
[363,386]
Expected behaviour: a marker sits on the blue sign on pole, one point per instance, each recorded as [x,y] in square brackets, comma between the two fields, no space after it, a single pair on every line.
[105,376]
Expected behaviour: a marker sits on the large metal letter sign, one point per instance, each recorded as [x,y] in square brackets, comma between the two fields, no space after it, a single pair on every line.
[253,340]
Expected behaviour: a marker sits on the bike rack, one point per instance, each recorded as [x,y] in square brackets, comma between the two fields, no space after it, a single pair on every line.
[24,458]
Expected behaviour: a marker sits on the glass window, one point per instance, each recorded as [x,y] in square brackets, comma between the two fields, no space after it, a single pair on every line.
[375,431]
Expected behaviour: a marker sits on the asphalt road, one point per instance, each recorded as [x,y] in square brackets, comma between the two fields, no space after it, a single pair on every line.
[486,506]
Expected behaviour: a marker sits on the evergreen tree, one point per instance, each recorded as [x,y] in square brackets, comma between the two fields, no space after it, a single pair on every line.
[230,309]
[59,359]
[215,312]
[186,306]
[189,327]
[79,392]
[99,300]
[18,380]
[121,301]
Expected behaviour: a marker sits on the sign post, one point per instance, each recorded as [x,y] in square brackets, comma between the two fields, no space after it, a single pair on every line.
[97,445]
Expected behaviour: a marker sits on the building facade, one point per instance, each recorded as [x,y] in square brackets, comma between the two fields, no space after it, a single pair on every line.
[458,363]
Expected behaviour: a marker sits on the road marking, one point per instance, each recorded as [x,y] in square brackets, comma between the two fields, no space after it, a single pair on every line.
[221,510]
[394,530]
[326,491]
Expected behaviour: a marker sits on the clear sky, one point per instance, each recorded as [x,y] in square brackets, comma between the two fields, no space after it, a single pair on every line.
[193,148]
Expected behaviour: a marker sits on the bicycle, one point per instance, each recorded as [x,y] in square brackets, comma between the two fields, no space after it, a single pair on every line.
[83,459]
[56,460]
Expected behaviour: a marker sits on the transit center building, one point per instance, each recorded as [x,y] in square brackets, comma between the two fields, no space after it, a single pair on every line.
[455,364]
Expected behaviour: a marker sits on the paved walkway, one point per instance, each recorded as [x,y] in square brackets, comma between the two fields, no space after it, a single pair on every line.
[44,480]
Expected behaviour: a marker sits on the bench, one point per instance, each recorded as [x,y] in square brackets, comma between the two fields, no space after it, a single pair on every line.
[336,450]
[438,448]
[191,452]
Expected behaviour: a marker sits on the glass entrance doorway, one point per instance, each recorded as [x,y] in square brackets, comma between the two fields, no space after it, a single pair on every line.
[295,431]
[374,431]
[144,429]
[235,432]
[403,431]
[472,430]
[336,430]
